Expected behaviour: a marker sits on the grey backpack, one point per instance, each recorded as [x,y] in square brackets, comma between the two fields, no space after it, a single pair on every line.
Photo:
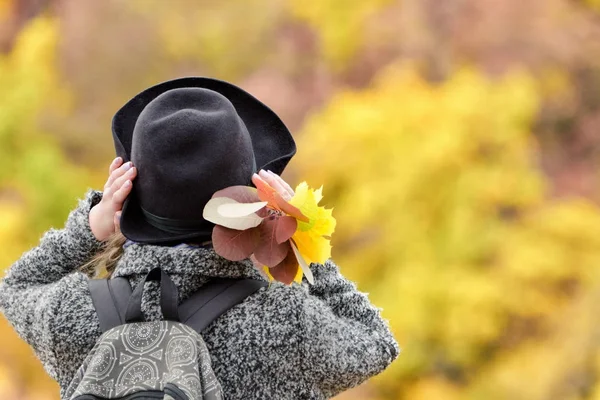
[167,359]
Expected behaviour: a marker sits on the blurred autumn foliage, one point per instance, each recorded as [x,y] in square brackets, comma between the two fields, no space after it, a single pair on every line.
[459,142]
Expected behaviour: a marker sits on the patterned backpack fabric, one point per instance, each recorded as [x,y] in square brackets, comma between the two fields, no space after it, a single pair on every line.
[154,360]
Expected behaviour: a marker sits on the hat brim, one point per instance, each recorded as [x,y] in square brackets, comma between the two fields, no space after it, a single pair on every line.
[272,143]
[135,227]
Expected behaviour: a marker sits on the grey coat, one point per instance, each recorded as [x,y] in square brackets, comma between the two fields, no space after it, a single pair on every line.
[283,342]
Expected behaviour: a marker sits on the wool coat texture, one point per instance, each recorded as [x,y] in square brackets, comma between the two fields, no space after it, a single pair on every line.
[283,342]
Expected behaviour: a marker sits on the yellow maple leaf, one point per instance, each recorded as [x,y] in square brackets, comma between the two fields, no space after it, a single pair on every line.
[312,237]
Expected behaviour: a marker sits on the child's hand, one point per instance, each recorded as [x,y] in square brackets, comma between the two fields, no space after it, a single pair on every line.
[105,216]
[277,183]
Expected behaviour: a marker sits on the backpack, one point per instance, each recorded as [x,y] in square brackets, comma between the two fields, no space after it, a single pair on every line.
[165,359]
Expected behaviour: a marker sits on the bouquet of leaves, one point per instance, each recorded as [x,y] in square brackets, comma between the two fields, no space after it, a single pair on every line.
[284,235]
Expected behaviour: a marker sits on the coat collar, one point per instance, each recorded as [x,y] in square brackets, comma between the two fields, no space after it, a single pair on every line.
[199,262]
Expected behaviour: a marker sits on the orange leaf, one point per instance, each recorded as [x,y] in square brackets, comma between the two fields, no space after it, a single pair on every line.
[290,209]
[270,195]
[265,191]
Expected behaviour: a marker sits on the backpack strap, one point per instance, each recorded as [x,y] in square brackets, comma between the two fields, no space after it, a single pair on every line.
[214,298]
[110,298]
[169,297]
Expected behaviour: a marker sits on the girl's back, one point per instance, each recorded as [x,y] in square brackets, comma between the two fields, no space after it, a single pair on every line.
[295,341]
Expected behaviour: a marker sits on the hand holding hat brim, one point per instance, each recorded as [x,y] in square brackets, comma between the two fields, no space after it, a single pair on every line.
[104,216]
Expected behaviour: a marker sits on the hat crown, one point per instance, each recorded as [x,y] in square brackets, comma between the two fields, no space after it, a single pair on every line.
[190,137]
[188,143]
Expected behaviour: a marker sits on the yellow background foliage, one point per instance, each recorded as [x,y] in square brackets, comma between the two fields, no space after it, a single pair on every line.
[457,144]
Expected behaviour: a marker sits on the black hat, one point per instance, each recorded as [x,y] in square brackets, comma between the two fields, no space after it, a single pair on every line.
[189,138]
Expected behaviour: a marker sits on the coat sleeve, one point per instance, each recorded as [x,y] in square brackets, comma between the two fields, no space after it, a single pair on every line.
[346,341]
[34,289]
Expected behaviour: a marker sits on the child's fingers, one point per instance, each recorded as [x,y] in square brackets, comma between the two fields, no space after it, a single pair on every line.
[278,184]
[117,173]
[121,194]
[274,184]
[283,183]
[120,181]
[267,178]
[116,163]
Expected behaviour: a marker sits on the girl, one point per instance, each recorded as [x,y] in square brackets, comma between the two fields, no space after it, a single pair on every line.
[178,143]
